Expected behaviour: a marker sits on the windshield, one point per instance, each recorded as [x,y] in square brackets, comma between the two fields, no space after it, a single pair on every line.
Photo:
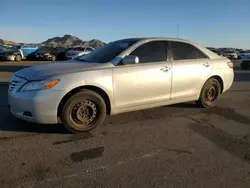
[229,51]
[108,52]
[5,48]
[78,49]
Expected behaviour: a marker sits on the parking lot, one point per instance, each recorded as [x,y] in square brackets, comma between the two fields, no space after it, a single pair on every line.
[173,146]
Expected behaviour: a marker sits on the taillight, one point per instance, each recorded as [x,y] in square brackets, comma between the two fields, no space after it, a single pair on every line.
[230,65]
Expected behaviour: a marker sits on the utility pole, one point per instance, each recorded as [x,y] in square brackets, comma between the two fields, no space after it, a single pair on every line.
[177,31]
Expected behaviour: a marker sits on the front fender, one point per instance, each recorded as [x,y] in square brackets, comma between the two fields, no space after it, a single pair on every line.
[21,53]
[99,78]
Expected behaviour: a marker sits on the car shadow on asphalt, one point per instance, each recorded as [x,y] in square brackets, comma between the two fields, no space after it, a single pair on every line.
[11,124]
[185,105]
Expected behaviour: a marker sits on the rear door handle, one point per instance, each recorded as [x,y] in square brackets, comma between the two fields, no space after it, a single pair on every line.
[165,69]
[206,64]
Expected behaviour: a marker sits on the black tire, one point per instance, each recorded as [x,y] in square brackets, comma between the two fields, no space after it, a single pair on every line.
[210,93]
[53,58]
[18,58]
[82,104]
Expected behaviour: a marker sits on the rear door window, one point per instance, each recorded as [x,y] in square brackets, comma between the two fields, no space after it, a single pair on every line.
[150,52]
[184,51]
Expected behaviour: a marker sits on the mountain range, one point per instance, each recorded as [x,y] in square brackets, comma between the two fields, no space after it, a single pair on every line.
[66,40]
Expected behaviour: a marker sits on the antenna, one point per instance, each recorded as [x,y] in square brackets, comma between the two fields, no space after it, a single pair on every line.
[177,31]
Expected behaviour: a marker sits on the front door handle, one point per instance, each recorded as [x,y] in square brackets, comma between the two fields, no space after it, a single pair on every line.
[165,69]
[206,64]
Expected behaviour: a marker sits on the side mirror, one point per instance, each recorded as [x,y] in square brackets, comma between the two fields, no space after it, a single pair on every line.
[130,60]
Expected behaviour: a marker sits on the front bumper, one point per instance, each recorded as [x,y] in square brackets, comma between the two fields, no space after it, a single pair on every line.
[43,58]
[36,106]
[7,57]
[68,58]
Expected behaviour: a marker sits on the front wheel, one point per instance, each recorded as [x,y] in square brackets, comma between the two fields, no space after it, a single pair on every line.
[18,58]
[84,111]
[209,93]
[53,58]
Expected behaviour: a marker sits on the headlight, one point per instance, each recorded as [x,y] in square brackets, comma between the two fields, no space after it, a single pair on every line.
[39,85]
[47,54]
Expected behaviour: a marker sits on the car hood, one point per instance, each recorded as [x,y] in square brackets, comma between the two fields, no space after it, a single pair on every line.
[8,52]
[41,72]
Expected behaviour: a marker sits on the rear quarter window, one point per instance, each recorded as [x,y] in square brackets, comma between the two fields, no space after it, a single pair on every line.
[185,51]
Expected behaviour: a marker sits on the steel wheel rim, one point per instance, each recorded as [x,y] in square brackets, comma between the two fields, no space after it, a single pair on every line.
[18,58]
[211,93]
[84,113]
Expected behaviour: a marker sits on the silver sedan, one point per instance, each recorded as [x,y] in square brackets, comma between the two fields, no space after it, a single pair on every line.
[122,76]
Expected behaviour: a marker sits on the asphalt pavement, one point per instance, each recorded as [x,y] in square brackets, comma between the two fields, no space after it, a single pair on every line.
[173,146]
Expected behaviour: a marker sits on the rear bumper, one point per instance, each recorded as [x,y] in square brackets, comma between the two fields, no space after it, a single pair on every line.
[228,81]
[36,106]
[44,58]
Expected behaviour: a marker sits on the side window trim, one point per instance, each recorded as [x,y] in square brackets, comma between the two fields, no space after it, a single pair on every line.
[171,57]
[165,46]
[169,54]
[201,52]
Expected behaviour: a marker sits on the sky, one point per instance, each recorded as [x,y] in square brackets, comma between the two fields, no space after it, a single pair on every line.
[217,23]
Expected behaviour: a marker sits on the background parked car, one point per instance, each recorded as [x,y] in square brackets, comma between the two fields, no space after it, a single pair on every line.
[28,50]
[78,51]
[48,54]
[1,48]
[216,51]
[230,54]
[243,53]
[11,53]
[245,63]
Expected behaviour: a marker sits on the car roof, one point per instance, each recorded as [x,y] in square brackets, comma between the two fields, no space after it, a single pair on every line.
[159,38]
[164,38]
[211,54]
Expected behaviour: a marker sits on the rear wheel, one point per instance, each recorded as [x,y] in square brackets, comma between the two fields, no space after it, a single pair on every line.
[84,111]
[18,58]
[209,93]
